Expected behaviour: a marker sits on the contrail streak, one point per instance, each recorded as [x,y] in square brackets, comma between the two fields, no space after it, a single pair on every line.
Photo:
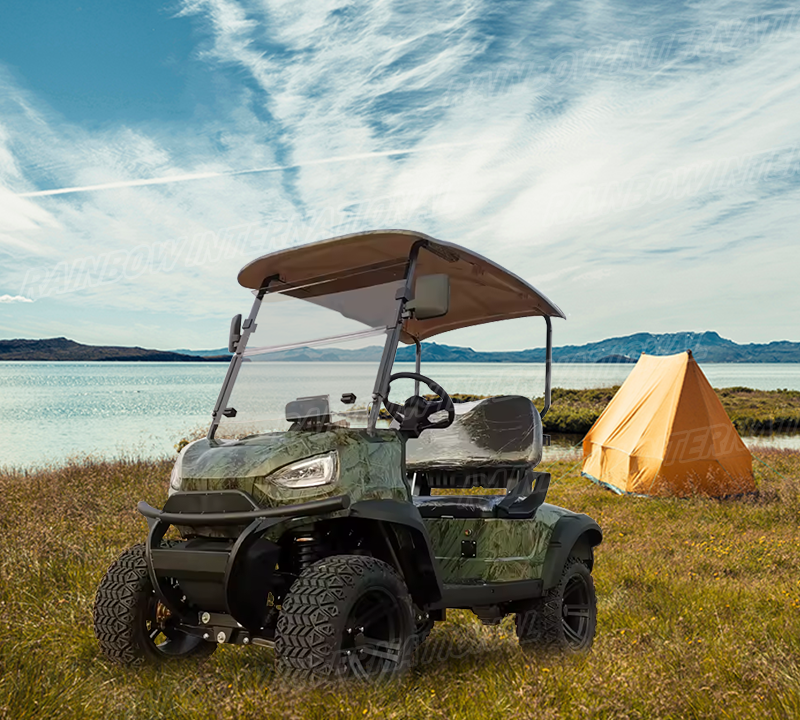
[203,176]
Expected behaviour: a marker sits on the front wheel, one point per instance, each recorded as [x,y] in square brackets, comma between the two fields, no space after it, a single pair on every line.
[564,619]
[131,625]
[347,615]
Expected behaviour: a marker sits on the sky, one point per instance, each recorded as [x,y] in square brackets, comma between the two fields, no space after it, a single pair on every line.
[638,163]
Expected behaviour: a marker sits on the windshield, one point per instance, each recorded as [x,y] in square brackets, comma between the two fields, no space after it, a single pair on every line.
[311,359]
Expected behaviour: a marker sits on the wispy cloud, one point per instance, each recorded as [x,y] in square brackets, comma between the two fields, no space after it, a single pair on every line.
[613,157]
[143,182]
[14,299]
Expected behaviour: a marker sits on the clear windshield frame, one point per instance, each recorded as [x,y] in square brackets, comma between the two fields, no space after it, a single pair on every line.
[381,385]
[393,331]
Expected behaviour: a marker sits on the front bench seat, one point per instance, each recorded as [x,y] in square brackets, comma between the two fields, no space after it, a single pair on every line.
[496,432]
[521,501]
[462,506]
[494,443]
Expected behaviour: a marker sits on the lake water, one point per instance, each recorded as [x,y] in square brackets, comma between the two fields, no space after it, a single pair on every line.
[50,411]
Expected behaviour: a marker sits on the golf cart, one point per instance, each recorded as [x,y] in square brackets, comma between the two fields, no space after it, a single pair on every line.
[314,516]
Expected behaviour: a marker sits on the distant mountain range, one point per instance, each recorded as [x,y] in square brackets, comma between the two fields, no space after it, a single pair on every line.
[70,351]
[706,347]
[204,353]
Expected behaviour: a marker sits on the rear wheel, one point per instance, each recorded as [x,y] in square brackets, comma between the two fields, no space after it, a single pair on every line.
[565,618]
[348,615]
[131,625]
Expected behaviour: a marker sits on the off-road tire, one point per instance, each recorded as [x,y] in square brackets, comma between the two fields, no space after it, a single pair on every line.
[123,601]
[550,624]
[318,622]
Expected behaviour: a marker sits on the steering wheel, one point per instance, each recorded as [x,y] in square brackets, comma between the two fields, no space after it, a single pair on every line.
[414,413]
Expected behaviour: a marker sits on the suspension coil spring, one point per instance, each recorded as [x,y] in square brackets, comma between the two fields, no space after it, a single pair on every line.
[306,550]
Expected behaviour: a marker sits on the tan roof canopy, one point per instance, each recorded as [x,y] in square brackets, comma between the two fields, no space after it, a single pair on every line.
[480,290]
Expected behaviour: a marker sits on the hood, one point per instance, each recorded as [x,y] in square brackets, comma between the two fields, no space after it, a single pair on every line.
[370,466]
[257,456]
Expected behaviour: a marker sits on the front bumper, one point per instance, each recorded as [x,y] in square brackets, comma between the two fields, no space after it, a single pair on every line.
[204,517]
[229,576]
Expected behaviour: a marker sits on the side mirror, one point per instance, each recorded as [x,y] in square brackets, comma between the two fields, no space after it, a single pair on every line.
[235,334]
[431,297]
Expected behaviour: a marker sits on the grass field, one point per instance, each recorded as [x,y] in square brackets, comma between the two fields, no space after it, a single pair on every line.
[699,616]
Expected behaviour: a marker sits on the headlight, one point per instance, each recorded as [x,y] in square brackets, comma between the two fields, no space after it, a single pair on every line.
[315,471]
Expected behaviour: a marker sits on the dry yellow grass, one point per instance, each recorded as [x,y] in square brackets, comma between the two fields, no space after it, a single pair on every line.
[699,616]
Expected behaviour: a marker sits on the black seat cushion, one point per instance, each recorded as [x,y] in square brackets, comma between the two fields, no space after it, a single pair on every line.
[460,506]
[521,502]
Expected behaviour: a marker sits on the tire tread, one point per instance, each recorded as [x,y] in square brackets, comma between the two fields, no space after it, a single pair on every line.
[314,612]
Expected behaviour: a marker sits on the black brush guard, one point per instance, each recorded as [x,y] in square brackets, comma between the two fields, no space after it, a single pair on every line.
[220,575]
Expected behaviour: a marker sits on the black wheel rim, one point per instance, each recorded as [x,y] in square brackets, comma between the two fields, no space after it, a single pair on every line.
[372,644]
[576,612]
[162,635]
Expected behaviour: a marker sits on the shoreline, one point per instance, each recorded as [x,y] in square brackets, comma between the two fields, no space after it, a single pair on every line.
[751,411]
[771,416]
[192,359]
[562,444]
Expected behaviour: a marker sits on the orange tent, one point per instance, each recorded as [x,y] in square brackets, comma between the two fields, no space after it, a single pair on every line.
[665,433]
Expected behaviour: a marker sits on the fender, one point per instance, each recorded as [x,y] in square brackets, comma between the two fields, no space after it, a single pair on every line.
[410,545]
[570,531]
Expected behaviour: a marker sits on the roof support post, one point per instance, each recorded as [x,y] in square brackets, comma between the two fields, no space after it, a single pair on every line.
[417,365]
[548,362]
[405,294]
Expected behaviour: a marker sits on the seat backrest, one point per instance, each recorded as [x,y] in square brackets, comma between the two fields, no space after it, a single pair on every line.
[486,442]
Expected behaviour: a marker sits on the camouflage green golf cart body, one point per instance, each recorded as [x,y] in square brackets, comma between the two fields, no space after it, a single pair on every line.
[262,505]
